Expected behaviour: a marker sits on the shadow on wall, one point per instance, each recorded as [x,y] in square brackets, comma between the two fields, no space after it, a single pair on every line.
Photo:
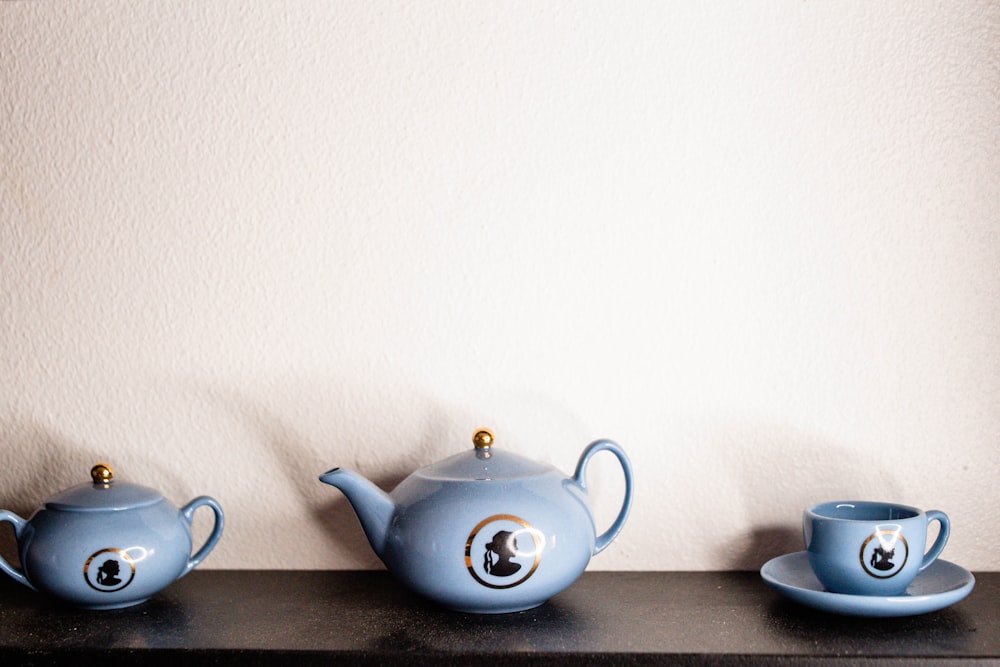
[811,471]
[298,460]
[259,452]
[309,425]
[37,463]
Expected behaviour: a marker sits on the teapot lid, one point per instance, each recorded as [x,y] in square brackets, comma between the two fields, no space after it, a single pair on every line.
[484,463]
[103,494]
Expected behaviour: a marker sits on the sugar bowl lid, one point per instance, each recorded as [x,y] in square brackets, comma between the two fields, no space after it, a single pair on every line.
[103,494]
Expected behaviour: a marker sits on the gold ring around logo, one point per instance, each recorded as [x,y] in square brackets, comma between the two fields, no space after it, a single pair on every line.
[897,537]
[537,538]
[110,579]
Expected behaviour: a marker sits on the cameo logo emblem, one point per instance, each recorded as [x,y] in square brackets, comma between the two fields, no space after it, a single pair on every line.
[884,553]
[503,551]
[109,570]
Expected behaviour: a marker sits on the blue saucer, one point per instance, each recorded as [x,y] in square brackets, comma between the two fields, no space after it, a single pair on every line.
[940,585]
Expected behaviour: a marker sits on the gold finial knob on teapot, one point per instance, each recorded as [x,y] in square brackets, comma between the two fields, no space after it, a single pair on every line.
[483,438]
[102,473]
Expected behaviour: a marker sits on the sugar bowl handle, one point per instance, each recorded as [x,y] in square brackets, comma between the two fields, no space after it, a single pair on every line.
[188,513]
[19,526]
[580,477]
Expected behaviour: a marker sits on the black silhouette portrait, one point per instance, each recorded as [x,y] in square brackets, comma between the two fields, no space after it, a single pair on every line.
[503,547]
[107,574]
[882,559]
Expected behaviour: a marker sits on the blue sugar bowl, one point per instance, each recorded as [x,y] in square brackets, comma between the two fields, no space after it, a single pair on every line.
[107,544]
[486,530]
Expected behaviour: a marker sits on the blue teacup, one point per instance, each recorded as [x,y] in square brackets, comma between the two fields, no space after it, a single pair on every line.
[870,548]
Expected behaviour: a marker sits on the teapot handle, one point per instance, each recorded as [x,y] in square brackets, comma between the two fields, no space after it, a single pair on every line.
[580,477]
[188,513]
[19,526]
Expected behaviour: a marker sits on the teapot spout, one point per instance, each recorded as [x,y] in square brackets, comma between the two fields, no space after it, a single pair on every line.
[373,506]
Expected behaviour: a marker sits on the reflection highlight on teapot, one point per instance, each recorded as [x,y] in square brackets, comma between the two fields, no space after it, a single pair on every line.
[138,553]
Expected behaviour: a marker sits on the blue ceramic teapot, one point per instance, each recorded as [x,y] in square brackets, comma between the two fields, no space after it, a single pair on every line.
[107,544]
[485,531]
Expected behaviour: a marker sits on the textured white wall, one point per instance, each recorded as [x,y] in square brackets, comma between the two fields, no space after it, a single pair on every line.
[757,244]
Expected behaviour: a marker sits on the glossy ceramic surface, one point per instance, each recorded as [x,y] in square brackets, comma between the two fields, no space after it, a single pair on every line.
[106,545]
[486,530]
[942,584]
[870,548]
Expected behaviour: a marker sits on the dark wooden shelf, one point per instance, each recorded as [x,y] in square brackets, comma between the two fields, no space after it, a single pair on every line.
[223,617]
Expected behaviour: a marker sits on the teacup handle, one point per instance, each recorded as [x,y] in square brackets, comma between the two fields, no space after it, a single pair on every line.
[942,538]
[580,477]
[188,513]
[19,526]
